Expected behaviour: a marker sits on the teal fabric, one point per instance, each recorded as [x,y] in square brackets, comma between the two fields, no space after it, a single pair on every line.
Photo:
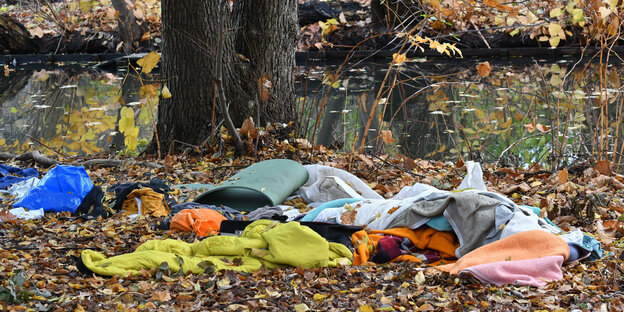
[440,223]
[265,183]
[312,214]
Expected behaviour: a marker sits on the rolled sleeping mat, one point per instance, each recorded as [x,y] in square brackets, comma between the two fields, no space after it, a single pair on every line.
[268,182]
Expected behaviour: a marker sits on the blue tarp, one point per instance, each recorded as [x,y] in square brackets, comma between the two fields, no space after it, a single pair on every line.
[62,189]
[11,175]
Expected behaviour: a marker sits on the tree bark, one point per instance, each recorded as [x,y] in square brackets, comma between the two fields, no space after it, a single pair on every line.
[14,38]
[130,29]
[267,35]
[193,30]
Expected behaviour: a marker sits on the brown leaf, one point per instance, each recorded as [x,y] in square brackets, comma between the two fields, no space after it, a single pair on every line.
[409,163]
[604,167]
[484,69]
[524,187]
[460,162]
[249,128]
[264,87]
[183,297]
[542,128]
[169,161]
[391,211]
[366,160]
[386,136]
[425,307]
[348,217]
[6,216]
[563,176]
[161,295]
[530,127]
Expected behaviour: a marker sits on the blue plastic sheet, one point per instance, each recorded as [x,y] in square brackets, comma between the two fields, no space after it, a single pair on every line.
[62,189]
[11,175]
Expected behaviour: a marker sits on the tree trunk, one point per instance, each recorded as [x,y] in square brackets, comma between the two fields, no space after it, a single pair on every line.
[267,35]
[14,38]
[193,30]
[130,30]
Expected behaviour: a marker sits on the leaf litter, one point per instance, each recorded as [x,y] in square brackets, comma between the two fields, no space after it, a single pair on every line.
[38,271]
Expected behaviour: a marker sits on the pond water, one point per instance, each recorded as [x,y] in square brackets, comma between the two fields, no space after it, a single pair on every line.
[524,112]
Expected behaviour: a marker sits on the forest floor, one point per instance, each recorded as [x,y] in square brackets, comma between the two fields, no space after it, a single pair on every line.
[37,258]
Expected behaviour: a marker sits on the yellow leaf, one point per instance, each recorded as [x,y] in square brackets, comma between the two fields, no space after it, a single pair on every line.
[554,29]
[165,92]
[126,122]
[85,6]
[319,297]
[148,90]
[556,12]
[365,308]
[302,307]
[506,124]
[149,61]
[398,59]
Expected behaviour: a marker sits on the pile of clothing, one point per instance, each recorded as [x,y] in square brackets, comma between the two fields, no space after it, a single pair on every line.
[245,223]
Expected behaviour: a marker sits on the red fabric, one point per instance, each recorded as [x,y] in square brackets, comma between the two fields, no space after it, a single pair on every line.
[203,222]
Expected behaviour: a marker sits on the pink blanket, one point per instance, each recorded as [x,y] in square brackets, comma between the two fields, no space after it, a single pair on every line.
[533,272]
[526,245]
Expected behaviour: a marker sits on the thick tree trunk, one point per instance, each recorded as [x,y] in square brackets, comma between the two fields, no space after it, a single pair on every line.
[193,32]
[14,38]
[130,30]
[186,64]
[267,35]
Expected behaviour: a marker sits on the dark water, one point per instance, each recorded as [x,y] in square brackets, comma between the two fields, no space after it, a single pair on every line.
[524,112]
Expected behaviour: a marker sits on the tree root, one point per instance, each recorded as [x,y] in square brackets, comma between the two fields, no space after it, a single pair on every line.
[47,161]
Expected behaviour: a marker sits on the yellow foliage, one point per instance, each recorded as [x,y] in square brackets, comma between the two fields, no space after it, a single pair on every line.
[149,61]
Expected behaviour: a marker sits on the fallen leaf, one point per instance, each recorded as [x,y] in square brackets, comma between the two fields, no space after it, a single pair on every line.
[484,69]
[365,308]
[604,167]
[563,176]
[161,295]
[366,160]
[318,297]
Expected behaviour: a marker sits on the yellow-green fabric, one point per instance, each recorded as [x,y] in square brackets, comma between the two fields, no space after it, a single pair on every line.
[263,242]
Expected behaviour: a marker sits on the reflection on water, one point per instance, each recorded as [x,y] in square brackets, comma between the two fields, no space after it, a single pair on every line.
[518,115]
[524,112]
[70,111]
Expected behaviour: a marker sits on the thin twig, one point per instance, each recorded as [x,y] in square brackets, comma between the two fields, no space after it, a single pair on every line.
[516,142]
[46,146]
[481,35]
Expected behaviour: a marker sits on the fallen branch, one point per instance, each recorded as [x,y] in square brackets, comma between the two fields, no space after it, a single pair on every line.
[46,161]
[38,157]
